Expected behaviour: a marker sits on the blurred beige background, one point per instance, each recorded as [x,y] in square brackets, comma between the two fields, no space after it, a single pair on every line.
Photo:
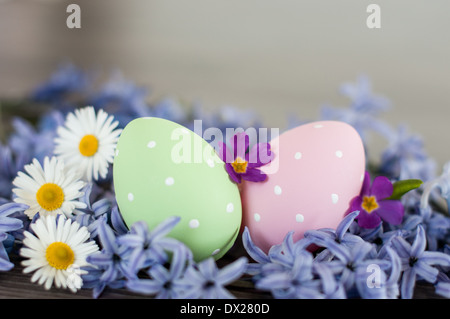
[277,57]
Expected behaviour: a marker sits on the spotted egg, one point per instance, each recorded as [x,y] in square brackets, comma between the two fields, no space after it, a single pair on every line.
[162,169]
[318,168]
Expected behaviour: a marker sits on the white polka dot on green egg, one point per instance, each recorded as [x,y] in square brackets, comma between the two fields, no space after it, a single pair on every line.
[215,252]
[194,223]
[155,177]
[169,181]
[210,163]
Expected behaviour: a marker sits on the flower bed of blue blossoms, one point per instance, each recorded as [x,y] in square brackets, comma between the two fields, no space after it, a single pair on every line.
[386,261]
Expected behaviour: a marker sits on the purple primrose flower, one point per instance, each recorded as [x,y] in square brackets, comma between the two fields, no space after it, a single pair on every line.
[373,204]
[242,164]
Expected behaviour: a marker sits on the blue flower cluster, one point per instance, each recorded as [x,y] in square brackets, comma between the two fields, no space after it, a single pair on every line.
[147,261]
[346,262]
[9,223]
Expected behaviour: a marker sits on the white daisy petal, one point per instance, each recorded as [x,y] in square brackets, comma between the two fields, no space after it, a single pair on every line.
[32,265]
[26,182]
[46,189]
[38,274]
[66,229]
[29,253]
[25,194]
[49,268]
[49,279]
[93,161]
[32,241]
[36,171]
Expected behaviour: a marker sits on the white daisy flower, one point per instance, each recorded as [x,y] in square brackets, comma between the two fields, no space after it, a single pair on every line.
[48,190]
[57,252]
[87,142]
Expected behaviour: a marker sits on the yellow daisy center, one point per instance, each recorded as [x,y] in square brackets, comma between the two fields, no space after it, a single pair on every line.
[59,255]
[50,196]
[369,203]
[239,165]
[88,145]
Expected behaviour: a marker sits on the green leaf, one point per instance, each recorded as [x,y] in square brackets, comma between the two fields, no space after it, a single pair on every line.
[402,187]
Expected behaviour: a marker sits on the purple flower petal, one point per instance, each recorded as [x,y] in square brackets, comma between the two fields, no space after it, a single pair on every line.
[302,261]
[224,153]
[144,286]
[100,259]
[341,252]
[178,262]
[365,189]
[240,142]
[254,175]
[117,221]
[401,246]
[420,242]
[259,155]
[165,227]
[427,272]
[98,290]
[408,283]
[355,205]
[254,251]
[366,220]
[130,240]
[194,292]
[280,280]
[135,262]
[390,211]
[159,273]
[110,274]
[288,244]
[5,265]
[107,237]
[232,272]
[208,268]
[345,223]
[396,266]
[9,224]
[140,228]
[381,188]
[318,237]
[276,254]
[443,289]
[360,250]
[329,283]
[9,208]
[436,258]
[233,175]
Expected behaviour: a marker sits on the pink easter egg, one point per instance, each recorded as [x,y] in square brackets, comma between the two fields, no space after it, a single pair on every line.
[318,168]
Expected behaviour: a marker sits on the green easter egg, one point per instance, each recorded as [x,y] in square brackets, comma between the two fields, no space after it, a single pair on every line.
[162,169]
